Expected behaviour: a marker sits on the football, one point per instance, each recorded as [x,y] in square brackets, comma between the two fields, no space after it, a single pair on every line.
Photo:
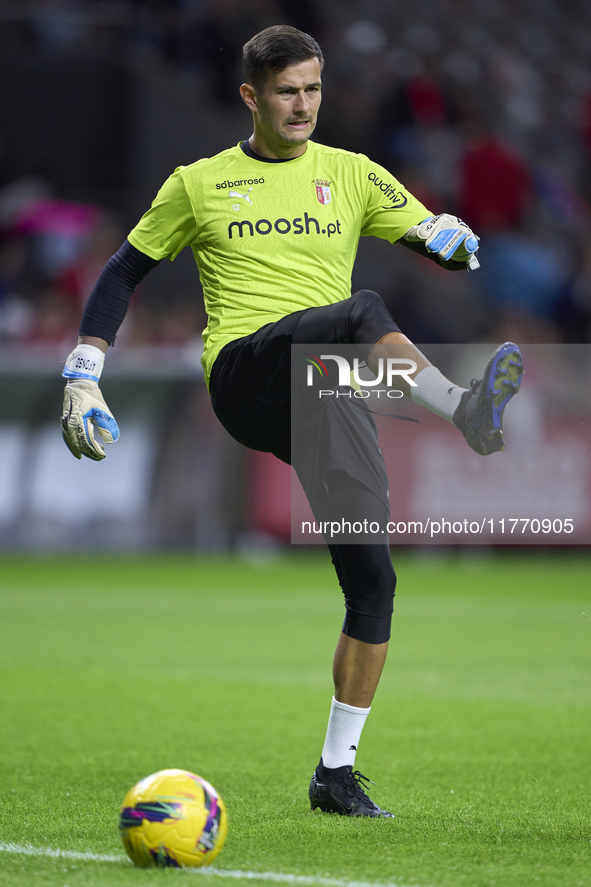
[173,818]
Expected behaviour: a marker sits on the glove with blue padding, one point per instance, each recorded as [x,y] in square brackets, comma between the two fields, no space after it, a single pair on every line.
[86,419]
[448,237]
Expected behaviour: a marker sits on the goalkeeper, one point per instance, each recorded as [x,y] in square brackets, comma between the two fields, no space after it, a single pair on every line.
[274,224]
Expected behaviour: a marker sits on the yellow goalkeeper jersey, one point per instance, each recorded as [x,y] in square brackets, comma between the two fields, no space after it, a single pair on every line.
[271,238]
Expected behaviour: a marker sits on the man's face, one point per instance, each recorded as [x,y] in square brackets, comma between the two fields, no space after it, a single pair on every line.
[286,108]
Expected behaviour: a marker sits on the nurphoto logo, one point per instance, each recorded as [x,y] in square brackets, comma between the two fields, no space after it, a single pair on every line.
[385,371]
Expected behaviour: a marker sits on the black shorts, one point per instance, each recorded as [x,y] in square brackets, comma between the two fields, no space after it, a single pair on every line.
[251,393]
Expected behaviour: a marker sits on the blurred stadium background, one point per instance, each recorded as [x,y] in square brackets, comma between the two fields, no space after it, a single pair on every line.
[481,107]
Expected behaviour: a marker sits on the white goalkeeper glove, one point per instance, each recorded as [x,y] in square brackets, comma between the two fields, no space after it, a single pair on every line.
[86,419]
[447,236]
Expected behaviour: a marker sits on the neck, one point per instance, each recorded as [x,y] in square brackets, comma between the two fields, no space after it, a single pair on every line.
[275,152]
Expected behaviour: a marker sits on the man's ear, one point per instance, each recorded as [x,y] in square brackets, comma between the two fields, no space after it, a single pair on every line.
[248,96]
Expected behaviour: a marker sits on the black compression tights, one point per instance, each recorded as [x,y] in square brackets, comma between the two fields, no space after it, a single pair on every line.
[364,570]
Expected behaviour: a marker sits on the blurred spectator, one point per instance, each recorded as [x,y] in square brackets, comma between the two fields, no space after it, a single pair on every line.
[418,132]
[521,274]
[495,185]
[517,273]
[15,311]
[58,229]
[78,277]
[227,25]
[55,320]
[414,106]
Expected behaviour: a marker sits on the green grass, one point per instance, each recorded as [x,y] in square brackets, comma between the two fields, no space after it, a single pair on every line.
[479,737]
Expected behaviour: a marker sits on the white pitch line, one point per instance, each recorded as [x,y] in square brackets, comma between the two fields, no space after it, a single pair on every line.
[303,880]
[28,850]
[277,877]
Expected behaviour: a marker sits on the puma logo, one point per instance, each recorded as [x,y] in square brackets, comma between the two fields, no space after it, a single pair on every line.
[241,196]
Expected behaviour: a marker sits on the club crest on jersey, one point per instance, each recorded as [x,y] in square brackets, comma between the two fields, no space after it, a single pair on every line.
[322,191]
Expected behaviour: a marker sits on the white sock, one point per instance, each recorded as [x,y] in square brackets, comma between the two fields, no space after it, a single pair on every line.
[345,724]
[436,393]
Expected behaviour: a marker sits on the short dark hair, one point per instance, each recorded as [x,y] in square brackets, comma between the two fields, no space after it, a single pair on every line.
[275,49]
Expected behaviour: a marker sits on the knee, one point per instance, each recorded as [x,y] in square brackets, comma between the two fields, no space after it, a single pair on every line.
[367,304]
[369,318]
[376,596]
[367,299]
[369,597]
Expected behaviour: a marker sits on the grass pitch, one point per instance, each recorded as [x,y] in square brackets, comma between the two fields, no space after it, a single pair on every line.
[478,738]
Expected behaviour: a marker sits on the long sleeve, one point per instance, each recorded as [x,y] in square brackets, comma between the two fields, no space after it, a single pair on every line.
[108,302]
